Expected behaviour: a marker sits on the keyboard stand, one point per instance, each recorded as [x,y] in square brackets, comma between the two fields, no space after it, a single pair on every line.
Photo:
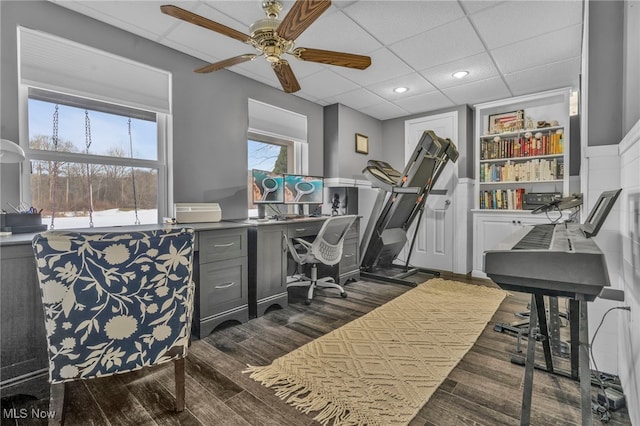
[579,354]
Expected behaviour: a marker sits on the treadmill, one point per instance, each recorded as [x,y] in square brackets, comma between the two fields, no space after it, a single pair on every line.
[401,199]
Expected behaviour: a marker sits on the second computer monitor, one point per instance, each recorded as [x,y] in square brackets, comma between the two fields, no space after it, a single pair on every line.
[301,189]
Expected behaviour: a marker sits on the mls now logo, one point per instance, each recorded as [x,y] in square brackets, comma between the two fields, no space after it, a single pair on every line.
[23,413]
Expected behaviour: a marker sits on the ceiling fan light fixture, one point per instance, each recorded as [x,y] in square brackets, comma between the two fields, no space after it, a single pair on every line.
[460,74]
[401,89]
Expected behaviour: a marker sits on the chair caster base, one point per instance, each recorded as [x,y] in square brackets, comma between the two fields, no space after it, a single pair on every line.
[343,295]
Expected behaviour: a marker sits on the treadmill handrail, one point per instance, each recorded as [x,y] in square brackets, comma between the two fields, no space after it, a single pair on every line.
[377,183]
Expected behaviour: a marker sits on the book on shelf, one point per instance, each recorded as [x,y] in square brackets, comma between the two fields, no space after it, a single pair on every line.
[535,170]
[515,147]
[502,199]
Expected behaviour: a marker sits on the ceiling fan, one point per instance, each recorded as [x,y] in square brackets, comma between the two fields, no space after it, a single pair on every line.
[273,38]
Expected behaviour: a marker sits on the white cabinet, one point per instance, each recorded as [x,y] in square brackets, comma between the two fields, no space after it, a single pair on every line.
[490,228]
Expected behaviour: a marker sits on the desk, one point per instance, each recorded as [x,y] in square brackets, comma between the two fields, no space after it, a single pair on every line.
[268,259]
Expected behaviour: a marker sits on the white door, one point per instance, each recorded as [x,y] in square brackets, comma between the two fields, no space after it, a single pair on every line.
[434,246]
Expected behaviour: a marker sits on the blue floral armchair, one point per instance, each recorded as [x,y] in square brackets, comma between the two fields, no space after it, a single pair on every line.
[115,302]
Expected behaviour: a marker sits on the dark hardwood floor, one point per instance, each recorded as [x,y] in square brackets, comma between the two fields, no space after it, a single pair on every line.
[484,389]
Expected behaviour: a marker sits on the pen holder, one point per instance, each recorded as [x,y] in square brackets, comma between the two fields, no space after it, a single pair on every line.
[20,223]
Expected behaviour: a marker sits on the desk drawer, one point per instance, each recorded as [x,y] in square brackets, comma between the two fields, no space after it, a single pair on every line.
[222,286]
[349,261]
[304,229]
[220,245]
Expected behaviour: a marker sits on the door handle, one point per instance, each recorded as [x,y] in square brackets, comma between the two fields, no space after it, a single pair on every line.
[447,203]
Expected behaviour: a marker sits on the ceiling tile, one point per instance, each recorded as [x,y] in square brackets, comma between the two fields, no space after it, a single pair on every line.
[447,43]
[384,111]
[474,6]
[480,67]
[356,99]
[325,84]
[391,21]
[478,91]
[414,82]
[513,21]
[544,49]
[128,15]
[545,77]
[384,66]
[424,102]
[347,36]
[207,42]
[244,12]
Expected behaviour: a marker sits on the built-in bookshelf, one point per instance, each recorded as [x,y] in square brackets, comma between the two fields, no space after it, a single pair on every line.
[521,146]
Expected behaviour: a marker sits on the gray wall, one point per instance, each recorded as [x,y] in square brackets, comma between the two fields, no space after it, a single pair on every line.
[393,137]
[210,112]
[631,71]
[341,158]
[606,20]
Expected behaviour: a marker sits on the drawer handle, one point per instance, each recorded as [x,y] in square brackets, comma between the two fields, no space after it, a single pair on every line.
[301,229]
[223,245]
[348,255]
[226,285]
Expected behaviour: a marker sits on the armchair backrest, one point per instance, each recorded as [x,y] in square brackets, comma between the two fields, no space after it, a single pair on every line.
[115,301]
[327,247]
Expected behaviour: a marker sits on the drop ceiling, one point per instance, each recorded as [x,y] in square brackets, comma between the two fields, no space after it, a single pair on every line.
[509,48]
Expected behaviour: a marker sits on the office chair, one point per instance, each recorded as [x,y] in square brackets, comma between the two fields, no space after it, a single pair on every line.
[325,249]
[114,302]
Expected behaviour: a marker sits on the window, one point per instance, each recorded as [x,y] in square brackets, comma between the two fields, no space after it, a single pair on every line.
[270,154]
[92,163]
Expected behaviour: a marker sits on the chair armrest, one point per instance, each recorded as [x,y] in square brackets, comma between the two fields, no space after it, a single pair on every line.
[298,257]
[304,242]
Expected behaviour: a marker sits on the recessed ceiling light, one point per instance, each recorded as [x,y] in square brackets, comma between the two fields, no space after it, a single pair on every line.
[400,89]
[460,74]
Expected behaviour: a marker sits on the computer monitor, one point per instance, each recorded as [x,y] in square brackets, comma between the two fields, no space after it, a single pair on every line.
[599,213]
[268,187]
[301,189]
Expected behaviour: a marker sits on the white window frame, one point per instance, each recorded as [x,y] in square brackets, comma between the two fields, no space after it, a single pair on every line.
[162,164]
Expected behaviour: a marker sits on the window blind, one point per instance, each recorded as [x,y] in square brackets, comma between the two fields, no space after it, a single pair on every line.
[273,121]
[54,63]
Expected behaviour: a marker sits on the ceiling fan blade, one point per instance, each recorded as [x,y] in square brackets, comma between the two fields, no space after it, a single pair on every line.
[329,57]
[226,63]
[285,75]
[301,15]
[192,18]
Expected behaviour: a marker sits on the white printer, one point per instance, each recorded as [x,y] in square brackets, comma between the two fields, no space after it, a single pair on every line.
[197,212]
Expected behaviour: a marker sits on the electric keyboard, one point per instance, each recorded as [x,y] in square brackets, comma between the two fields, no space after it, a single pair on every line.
[553,260]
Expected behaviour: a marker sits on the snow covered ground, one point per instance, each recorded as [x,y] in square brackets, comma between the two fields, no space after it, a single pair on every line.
[113,217]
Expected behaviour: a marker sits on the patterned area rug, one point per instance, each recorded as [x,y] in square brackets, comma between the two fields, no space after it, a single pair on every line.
[381,368]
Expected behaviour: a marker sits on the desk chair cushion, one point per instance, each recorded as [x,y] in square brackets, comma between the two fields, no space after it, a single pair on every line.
[114,302]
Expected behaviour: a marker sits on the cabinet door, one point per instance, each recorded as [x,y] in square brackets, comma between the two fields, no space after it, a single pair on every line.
[23,346]
[271,271]
[349,261]
[222,286]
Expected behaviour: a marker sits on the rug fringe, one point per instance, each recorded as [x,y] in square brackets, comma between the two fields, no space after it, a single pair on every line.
[304,398]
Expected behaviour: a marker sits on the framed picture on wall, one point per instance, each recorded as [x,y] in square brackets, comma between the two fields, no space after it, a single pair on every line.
[362,144]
